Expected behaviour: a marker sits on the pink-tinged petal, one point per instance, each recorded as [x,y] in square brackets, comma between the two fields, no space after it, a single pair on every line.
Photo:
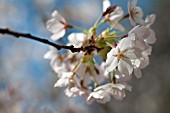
[144,62]
[141,32]
[133,3]
[152,38]
[147,51]
[150,20]
[58,35]
[138,73]
[112,65]
[141,44]
[117,14]
[106,4]
[124,44]
[125,66]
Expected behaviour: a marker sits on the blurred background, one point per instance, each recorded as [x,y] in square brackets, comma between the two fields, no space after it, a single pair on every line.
[26,79]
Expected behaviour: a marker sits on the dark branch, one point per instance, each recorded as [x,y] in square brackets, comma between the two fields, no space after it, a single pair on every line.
[87,49]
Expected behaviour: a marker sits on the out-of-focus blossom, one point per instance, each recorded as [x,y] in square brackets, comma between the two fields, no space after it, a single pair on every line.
[135,13]
[102,94]
[57,25]
[76,39]
[121,56]
[115,16]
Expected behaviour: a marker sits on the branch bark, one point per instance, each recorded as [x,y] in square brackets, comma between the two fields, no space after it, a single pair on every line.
[87,49]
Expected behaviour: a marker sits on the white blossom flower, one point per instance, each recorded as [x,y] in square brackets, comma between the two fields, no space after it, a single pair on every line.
[56,60]
[120,57]
[135,13]
[101,96]
[143,37]
[103,93]
[75,91]
[76,39]
[114,18]
[64,80]
[57,25]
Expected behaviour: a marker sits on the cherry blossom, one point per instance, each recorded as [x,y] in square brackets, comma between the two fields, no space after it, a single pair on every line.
[114,17]
[102,94]
[135,13]
[120,57]
[57,25]
[77,39]
[64,80]
[141,33]
[122,54]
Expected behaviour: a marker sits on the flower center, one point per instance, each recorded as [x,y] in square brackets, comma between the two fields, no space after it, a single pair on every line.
[120,55]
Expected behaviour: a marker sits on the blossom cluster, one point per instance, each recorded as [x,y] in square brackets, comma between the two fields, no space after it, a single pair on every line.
[124,53]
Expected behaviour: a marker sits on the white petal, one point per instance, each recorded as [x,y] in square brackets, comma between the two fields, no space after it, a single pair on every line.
[133,3]
[112,52]
[141,44]
[130,54]
[141,32]
[57,16]
[137,73]
[48,55]
[150,20]
[58,35]
[137,63]
[117,14]
[106,4]
[152,38]
[124,44]
[112,65]
[125,66]
[144,62]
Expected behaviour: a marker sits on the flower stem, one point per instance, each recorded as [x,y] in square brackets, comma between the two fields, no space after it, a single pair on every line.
[76,68]
[94,78]
[97,21]
[109,44]
[80,29]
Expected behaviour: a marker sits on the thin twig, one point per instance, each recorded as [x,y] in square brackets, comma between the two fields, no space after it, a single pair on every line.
[45,41]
